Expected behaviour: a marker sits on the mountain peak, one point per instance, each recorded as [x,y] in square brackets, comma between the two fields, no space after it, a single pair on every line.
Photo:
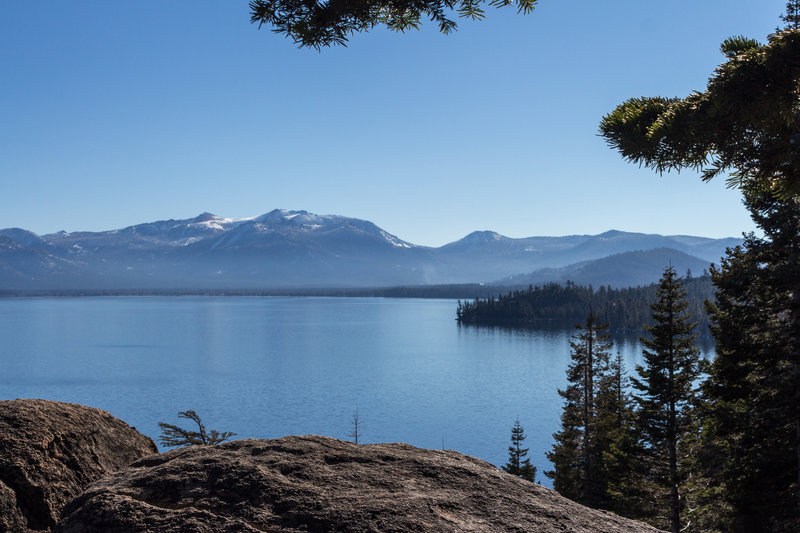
[478,240]
[612,233]
[284,214]
[483,236]
[205,217]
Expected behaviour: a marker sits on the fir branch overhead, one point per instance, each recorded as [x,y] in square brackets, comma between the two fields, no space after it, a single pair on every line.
[317,24]
[744,126]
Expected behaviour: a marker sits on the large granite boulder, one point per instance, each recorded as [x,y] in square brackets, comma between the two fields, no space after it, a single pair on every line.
[319,484]
[50,451]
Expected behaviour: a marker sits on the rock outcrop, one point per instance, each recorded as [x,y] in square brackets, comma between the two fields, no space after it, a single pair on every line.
[321,484]
[50,451]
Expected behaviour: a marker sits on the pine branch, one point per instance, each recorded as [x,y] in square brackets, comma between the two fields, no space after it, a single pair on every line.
[172,436]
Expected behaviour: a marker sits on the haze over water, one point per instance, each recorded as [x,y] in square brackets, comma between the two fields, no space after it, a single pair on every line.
[265,367]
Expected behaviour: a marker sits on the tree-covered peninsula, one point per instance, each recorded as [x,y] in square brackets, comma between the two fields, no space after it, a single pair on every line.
[624,309]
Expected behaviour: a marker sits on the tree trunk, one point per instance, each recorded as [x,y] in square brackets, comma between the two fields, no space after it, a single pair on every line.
[794,313]
[588,400]
[795,358]
[674,497]
[672,437]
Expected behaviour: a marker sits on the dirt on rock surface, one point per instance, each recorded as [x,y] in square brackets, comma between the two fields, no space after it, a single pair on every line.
[319,484]
[50,452]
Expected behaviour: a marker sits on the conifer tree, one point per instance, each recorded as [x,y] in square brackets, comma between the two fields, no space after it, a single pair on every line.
[577,452]
[668,391]
[753,427]
[568,470]
[518,464]
[623,469]
[792,15]
[745,125]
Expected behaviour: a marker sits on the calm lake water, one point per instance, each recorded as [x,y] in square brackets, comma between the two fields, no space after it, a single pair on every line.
[265,367]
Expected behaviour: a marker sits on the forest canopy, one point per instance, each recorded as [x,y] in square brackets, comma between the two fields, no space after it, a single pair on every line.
[625,309]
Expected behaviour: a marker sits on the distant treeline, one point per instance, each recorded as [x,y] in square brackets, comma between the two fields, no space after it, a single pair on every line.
[452,291]
[553,304]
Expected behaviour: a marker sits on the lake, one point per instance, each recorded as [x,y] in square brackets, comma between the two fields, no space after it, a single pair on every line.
[265,367]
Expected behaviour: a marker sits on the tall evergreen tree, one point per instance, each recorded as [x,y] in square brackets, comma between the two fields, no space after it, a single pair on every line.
[792,15]
[623,470]
[518,464]
[577,452]
[668,390]
[744,125]
[753,391]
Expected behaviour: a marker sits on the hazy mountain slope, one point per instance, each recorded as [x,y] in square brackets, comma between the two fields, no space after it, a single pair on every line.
[26,267]
[627,269]
[479,254]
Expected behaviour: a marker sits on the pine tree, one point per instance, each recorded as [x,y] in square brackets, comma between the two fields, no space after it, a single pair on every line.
[568,469]
[623,470]
[517,463]
[745,126]
[792,15]
[577,452]
[753,427]
[667,383]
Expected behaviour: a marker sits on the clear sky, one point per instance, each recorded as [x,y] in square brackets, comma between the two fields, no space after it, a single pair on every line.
[116,113]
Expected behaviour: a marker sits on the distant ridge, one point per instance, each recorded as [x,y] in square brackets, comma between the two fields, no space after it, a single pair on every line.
[627,269]
[298,249]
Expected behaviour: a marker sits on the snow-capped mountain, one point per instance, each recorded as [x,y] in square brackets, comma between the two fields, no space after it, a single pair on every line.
[295,249]
[217,231]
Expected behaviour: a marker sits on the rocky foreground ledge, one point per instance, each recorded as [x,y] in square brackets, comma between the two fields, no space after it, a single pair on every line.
[321,484]
[293,484]
[50,451]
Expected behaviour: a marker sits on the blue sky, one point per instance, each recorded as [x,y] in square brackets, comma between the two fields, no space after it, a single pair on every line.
[116,113]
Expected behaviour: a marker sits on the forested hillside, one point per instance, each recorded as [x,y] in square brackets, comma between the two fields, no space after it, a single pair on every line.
[625,309]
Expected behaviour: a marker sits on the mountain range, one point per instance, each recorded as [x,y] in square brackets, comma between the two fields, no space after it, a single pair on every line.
[299,249]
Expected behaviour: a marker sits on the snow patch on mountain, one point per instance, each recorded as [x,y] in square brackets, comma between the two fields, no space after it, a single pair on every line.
[394,241]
